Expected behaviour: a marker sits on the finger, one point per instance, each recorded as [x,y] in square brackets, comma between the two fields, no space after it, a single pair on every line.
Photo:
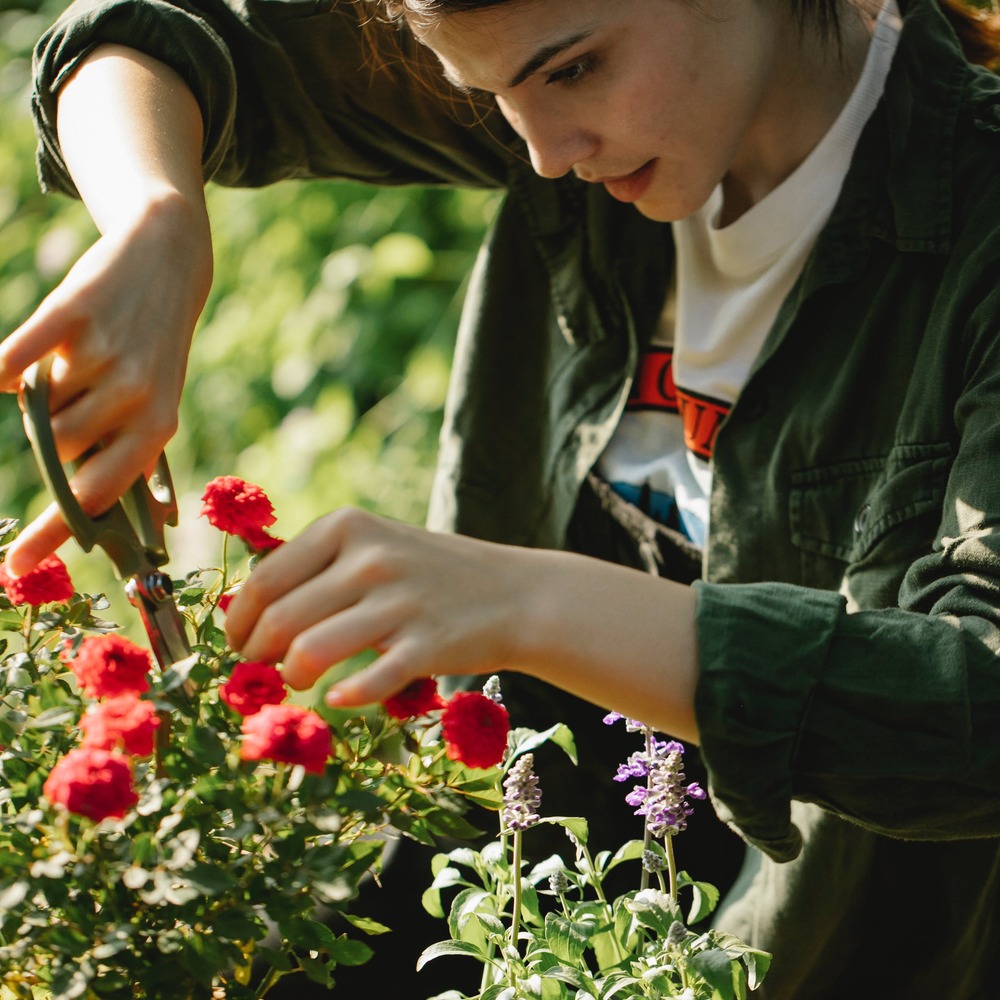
[387,676]
[332,640]
[39,539]
[302,609]
[286,569]
[98,483]
[49,326]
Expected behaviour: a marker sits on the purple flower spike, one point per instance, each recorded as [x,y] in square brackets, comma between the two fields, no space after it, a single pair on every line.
[522,796]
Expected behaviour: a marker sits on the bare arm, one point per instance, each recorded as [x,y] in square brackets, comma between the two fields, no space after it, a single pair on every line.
[447,604]
[121,321]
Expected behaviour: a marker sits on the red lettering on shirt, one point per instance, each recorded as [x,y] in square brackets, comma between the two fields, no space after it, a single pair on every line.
[654,389]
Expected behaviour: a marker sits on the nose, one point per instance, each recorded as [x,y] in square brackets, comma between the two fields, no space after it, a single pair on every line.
[556,144]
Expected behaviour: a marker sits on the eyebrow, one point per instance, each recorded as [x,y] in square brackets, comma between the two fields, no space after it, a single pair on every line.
[535,63]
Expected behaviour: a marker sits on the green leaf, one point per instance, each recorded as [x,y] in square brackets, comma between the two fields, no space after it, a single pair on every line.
[442,948]
[367,924]
[575,978]
[716,968]
[317,970]
[757,964]
[654,909]
[705,897]
[210,879]
[568,939]
[350,951]
[575,825]
[54,718]
[522,741]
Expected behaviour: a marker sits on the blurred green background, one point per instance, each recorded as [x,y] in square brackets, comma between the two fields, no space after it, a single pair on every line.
[320,366]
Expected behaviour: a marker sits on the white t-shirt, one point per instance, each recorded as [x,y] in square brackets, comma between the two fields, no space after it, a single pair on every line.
[730,283]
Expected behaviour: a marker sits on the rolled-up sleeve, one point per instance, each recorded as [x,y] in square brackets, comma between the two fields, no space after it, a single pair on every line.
[889,718]
[176,36]
[287,89]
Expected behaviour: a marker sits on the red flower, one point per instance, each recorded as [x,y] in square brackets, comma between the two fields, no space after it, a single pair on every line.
[109,665]
[225,600]
[418,698]
[237,507]
[92,783]
[48,582]
[125,721]
[288,733]
[253,685]
[260,541]
[475,729]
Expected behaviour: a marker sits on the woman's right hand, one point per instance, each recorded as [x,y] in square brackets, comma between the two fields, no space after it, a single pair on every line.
[120,326]
[120,323]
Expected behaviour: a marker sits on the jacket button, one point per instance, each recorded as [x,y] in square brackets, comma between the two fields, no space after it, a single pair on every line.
[861,518]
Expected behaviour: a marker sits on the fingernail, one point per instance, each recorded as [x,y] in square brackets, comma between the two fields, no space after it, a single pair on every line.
[335,698]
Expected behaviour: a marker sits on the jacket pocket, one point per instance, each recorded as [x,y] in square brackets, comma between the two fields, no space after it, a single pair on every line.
[845,510]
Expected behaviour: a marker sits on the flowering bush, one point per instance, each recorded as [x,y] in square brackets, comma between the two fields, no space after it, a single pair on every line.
[582,944]
[169,835]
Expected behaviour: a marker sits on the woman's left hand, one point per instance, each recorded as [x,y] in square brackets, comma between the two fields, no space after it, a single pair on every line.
[447,604]
[428,603]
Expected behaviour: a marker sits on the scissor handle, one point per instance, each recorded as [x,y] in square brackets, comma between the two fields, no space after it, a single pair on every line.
[131,531]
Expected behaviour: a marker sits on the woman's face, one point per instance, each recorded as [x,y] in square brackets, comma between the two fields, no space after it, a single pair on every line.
[656,99]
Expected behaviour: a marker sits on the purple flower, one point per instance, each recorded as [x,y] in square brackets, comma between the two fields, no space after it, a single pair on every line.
[611,718]
[637,766]
[522,797]
[665,806]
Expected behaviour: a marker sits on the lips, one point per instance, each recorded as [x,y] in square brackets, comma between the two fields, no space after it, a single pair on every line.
[630,187]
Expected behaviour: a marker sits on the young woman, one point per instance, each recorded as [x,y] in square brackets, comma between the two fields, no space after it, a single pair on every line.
[736,325]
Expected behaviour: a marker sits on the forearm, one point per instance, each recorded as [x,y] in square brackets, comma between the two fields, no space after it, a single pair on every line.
[131,135]
[614,636]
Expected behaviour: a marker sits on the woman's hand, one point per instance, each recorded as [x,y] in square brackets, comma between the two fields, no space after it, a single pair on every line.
[447,604]
[352,581]
[120,323]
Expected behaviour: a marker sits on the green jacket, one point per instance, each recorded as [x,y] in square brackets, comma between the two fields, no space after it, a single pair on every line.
[849,612]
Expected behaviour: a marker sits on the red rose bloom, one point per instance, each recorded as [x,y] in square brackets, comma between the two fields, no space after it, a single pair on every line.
[287,733]
[418,698]
[475,729]
[109,665]
[253,685]
[48,582]
[125,721]
[237,507]
[92,783]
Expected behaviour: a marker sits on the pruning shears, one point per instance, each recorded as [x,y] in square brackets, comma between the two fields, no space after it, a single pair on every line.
[130,532]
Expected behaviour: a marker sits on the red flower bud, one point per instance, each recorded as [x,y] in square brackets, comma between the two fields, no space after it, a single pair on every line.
[287,733]
[109,665]
[475,729]
[47,583]
[92,783]
[253,685]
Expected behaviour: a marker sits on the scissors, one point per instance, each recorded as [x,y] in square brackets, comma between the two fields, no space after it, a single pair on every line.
[130,532]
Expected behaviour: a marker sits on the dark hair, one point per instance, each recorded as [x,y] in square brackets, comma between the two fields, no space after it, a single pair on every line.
[977,28]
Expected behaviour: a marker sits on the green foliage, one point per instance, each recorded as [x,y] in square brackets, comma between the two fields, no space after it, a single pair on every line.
[181,895]
[549,932]
[322,357]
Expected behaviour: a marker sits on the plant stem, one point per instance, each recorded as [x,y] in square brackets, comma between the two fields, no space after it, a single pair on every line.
[647,837]
[668,846]
[515,925]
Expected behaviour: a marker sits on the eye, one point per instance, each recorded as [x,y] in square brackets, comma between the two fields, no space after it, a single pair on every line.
[574,73]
